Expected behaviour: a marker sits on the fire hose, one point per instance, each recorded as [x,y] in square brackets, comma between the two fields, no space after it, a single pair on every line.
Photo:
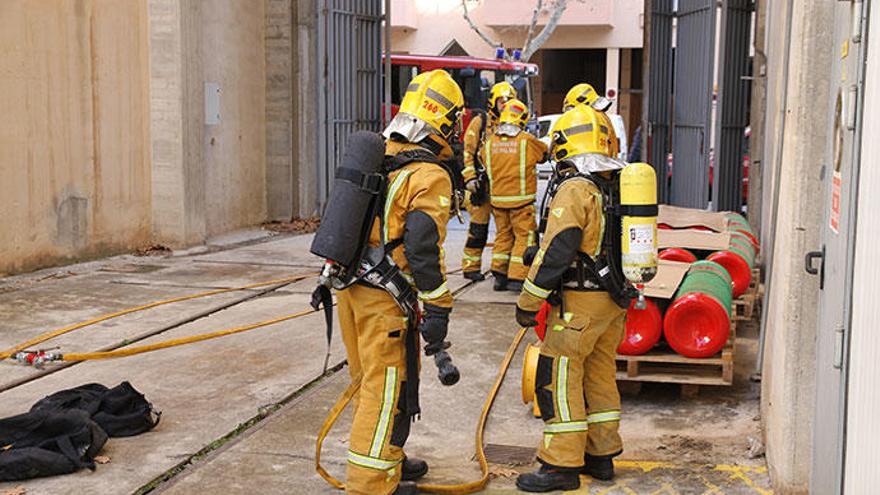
[459,489]
[37,358]
[29,357]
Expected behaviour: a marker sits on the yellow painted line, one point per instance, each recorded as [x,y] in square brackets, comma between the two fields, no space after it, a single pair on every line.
[739,473]
[647,466]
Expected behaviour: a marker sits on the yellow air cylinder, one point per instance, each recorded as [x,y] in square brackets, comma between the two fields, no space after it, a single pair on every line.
[638,201]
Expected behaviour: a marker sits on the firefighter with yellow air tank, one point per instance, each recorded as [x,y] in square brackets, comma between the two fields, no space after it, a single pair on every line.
[579,272]
[376,329]
[510,156]
[479,130]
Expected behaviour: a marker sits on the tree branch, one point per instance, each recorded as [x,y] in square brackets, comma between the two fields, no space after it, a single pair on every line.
[538,7]
[545,33]
[467,17]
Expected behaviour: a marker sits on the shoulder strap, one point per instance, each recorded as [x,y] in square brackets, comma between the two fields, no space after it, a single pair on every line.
[404,158]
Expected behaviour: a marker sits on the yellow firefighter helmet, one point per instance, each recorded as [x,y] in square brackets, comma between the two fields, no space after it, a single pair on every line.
[584,137]
[514,112]
[434,98]
[584,94]
[503,91]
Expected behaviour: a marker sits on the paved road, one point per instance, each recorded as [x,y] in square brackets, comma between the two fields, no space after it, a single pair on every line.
[207,390]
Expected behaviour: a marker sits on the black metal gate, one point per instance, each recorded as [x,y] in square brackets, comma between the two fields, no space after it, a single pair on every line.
[733,103]
[659,84]
[693,88]
[349,79]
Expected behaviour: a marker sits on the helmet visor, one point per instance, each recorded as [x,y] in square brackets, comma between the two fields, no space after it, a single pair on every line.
[595,162]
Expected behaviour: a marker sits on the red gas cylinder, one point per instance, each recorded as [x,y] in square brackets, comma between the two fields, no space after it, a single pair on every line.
[697,323]
[738,260]
[643,329]
[677,254]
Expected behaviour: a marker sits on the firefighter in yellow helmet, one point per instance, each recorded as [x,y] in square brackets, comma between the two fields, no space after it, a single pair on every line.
[510,156]
[375,330]
[575,385]
[584,94]
[480,128]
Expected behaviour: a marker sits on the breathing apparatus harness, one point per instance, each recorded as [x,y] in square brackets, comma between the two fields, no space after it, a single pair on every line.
[376,268]
[603,272]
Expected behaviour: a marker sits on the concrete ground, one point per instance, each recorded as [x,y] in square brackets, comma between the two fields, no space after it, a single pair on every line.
[241,413]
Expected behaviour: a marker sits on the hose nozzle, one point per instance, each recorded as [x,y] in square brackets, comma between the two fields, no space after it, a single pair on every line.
[446,371]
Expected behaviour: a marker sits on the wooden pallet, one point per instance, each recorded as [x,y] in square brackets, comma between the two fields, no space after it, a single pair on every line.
[744,306]
[663,365]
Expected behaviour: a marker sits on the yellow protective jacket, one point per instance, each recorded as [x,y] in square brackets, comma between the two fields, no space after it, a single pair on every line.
[575,224]
[473,144]
[510,164]
[416,212]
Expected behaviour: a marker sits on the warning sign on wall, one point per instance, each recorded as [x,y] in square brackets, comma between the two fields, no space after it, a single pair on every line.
[836,186]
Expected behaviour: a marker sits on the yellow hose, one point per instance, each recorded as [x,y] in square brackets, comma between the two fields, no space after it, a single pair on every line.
[460,489]
[76,326]
[131,351]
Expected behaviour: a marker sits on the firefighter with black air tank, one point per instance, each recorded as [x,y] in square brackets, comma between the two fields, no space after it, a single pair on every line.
[480,128]
[511,156]
[402,265]
[578,270]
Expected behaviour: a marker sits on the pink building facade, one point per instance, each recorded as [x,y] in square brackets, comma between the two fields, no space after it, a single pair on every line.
[596,41]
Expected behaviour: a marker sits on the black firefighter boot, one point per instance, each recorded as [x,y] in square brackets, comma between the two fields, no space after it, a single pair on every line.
[548,479]
[406,488]
[500,281]
[514,285]
[600,467]
[413,469]
[474,276]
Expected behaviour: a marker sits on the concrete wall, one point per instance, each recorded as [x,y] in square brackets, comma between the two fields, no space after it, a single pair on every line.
[207,178]
[291,108]
[74,153]
[233,55]
[795,146]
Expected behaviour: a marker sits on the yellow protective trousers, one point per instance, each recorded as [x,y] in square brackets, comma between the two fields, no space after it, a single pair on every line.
[514,232]
[478,235]
[373,331]
[575,387]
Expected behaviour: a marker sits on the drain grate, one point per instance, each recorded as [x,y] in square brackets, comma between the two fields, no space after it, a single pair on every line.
[511,455]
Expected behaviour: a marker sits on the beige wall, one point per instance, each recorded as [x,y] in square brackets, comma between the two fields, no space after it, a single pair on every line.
[74,153]
[438,22]
[233,55]
[104,146]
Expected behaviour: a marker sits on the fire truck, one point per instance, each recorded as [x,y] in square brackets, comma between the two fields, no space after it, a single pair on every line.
[475,76]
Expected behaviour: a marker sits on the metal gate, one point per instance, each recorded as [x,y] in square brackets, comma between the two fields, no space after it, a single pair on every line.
[733,99]
[349,79]
[694,77]
[659,83]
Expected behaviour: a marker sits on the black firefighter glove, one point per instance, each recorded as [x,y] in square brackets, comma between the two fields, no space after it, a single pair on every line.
[530,254]
[526,318]
[433,328]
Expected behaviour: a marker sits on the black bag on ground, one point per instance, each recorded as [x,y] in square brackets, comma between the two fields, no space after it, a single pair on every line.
[48,443]
[120,411]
